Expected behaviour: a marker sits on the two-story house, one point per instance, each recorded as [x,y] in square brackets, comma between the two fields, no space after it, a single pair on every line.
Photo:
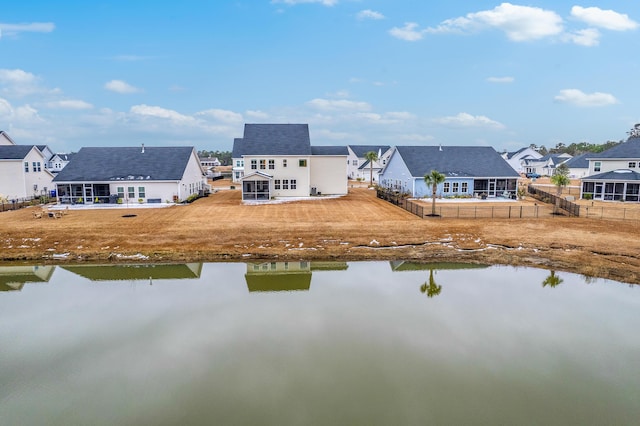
[23,172]
[359,167]
[279,161]
[516,158]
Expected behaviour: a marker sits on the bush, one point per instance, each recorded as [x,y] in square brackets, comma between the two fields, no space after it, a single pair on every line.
[587,196]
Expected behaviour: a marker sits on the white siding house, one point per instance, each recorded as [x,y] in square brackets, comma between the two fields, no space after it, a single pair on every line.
[22,172]
[131,175]
[279,161]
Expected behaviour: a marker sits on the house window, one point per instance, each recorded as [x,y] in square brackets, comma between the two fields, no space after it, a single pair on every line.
[302,163]
[596,166]
[285,183]
[276,184]
[456,186]
[446,187]
[254,164]
[284,162]
[141,192]
[272,164]
[293,184]
[131,192]
[465,187]
[263,164]
[632,164]
[354,162]
[238,163]
[26,166]
[36,166]
[120,191]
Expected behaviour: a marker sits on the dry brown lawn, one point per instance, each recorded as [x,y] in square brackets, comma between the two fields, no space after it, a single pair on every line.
[354,227]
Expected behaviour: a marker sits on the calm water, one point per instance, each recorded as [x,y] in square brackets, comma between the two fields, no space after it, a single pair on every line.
[316,343]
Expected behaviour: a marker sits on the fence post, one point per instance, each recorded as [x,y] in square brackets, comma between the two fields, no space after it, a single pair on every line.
[491,212]
[509,212]
[520,212]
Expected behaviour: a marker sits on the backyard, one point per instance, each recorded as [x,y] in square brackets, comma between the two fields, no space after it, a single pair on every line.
[358,226]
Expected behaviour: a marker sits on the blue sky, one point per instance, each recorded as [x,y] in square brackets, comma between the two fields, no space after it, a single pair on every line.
[402,72]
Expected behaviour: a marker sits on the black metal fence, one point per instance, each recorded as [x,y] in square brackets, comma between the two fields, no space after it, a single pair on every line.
[572,208]
[457,211]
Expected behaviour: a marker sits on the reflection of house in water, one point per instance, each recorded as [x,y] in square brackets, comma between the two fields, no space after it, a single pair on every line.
[286,276]
[136,272]
[15,277]
[402,266]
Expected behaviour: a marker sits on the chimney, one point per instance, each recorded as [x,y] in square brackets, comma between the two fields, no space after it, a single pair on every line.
[142,149]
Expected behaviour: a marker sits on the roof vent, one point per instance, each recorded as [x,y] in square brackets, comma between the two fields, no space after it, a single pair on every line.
[440,147]
[142,149]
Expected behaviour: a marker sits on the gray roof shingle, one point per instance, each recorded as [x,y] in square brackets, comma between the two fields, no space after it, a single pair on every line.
[616,175]
[276,139]
[103,164]
[14,152]
[456,161]
[628,149]
[329,150]
[361,150]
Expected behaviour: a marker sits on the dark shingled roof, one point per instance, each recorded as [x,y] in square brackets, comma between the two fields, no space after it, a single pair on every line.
[329,150]
[14,152]
[276,139]
[237,151]
[361,150]
[580,161]
[617,175]
[129,163]
[456,161]
[628,149]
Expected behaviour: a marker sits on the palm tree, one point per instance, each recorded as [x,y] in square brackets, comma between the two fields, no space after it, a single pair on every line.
[552,280]
[371,156]
[432,289]
[561,177]
[434,179]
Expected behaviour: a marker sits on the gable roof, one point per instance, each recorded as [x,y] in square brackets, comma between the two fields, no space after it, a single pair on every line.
[329,150]
[126,163]
[275,139]
[237,151]
[361,150]
[14,152]
[628,149]
[6,136]
[455,161]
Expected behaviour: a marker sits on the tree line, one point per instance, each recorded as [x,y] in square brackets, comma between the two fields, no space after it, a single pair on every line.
[574,148]
[223,156]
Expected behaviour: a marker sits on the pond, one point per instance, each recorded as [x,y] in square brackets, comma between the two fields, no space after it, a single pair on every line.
[297,343]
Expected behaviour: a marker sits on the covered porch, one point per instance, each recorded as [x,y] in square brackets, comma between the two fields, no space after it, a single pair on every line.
[617,185]
[84,193]
[495,187]
[256,187]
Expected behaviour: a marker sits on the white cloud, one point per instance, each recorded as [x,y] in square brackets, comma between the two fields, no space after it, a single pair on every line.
[120,86]
[20,83]
[409,32]
[369,14]
[68,104]
[519,23]
[162,113]
[295,2]
[415,137]
[257,115]
[500,79]
[588,37]
[607,19]
[26,114]
[5,108]
[342,104]
[33,27]
[464,119]
[222,115]
[579,98]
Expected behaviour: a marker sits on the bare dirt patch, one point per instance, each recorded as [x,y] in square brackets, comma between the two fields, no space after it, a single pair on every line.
[354,227]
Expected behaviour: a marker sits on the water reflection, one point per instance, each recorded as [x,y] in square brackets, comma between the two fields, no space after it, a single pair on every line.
[286,276]
[357,344]
[13,278]
[552,280]
[136,272]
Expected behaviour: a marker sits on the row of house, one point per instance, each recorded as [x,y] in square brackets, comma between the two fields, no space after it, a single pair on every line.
[279,161]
